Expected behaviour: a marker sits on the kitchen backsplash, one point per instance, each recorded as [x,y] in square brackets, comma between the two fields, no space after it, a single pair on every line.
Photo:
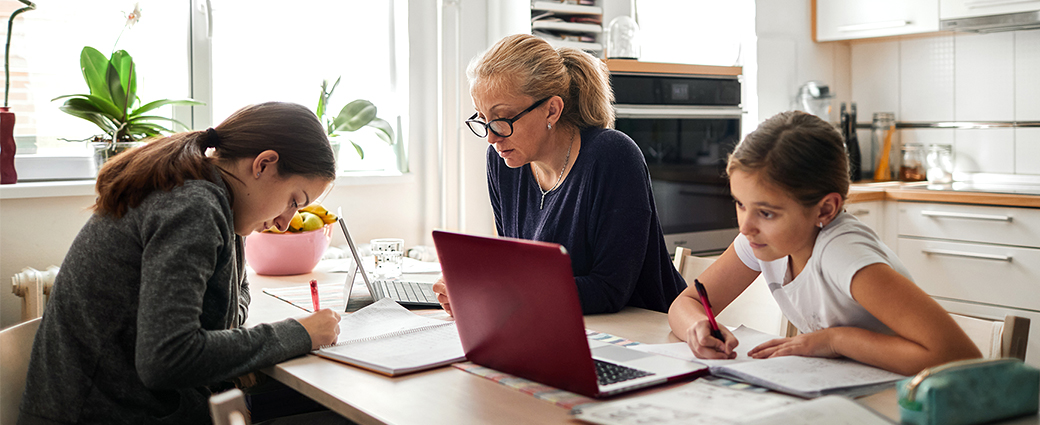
[961,77]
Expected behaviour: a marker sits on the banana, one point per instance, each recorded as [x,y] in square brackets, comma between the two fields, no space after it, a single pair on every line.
[320,211]
[272,229]
[296,224]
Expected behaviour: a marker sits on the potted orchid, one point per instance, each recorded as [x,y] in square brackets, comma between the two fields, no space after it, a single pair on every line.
[355,115]
[112,103]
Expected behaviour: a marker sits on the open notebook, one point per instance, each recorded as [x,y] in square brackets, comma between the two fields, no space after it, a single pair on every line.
[802,376]
[387,338]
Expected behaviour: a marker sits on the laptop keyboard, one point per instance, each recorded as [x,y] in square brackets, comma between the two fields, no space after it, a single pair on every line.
[612,373]
[403,290]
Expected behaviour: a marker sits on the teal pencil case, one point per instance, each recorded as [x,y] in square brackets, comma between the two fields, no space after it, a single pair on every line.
[969,392]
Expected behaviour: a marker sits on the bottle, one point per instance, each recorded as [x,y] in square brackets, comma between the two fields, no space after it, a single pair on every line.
[882,129]
[852,145]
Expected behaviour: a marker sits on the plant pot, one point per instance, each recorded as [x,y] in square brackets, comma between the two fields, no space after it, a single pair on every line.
[105,150]
[8,175]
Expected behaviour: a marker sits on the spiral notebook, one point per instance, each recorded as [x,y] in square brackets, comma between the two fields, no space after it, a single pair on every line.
[387,338]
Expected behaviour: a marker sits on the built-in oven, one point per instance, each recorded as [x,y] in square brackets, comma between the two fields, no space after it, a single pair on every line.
[686,126]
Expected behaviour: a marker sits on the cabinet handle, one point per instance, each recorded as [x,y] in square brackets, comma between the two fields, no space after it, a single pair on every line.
[873,26]
[972,4]
[967,254]
[860,212]
[987,217]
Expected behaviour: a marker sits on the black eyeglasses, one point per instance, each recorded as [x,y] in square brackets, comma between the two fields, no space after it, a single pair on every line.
[502,127]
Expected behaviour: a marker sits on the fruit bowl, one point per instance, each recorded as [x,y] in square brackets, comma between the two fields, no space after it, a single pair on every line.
[281,254]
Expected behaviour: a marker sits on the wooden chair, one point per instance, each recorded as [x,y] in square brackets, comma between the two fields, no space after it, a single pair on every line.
[229,408]
[754,308]
[996,338]
[15,348]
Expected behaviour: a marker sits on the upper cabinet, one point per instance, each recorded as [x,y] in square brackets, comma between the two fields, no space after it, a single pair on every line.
[852,19]
[954,9]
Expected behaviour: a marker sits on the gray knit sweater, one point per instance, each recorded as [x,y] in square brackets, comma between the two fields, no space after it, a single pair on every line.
[146,313]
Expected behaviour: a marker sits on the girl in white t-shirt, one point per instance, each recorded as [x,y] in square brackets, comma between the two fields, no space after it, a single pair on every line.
[831,275]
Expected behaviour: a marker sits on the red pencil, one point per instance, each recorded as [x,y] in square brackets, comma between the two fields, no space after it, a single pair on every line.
[314,295]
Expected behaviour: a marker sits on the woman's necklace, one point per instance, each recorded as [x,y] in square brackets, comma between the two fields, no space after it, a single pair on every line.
[558,179]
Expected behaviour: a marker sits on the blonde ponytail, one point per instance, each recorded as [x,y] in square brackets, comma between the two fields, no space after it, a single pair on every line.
[530,66]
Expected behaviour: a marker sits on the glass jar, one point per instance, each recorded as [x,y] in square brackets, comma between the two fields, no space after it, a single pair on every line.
[911,167]
[939,163]
[883,149]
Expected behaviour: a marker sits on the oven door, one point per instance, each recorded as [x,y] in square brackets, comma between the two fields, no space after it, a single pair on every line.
[686,149]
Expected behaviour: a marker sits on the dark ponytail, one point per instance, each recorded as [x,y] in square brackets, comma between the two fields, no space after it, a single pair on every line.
[291,130]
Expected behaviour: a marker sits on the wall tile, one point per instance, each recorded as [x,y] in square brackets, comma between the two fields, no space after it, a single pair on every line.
[1027,150]
[1027,76]
[875,78]
[985,150]
[984,80]
[926,79]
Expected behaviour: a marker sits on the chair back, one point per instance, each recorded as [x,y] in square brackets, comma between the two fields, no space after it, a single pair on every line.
[996,338]
[229,408]
[15,348]
[754,308]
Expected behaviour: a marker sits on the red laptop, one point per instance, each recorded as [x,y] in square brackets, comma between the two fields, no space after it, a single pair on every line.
[517,311]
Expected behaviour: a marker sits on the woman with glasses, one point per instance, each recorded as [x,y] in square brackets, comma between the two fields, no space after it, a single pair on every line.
[557,172]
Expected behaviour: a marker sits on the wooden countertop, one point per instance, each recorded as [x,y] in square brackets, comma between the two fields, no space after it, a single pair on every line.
[897,191]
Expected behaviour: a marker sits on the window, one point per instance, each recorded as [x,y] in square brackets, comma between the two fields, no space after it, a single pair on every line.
[45,52]
[262,50]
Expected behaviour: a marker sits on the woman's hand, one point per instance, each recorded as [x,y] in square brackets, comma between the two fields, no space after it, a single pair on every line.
[815,344]
[322,326]
[441,289]
[705,346]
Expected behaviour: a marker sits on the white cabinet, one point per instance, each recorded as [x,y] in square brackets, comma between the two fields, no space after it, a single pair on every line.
[852,19]
[954,9]
[867,212]
[975,257]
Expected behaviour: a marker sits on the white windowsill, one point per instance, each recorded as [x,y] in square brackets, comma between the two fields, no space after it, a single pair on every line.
[51,189]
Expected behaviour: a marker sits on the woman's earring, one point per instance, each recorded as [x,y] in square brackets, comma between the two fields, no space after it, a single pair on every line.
[820,225]
[257,175]
[549,126]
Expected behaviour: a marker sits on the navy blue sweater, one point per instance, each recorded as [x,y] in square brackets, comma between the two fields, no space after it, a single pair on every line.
[603,213]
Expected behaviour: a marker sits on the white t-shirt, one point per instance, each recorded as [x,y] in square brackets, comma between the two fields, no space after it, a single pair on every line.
[821,297]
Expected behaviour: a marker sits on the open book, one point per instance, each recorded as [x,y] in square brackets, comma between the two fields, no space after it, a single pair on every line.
[387,338]
[703,403]
[802,376]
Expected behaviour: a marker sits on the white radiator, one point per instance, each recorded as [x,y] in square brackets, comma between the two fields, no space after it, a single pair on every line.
[34,287]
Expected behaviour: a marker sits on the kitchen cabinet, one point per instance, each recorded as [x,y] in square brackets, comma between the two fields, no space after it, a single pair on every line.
[854,19]
[975,259]
[955,9]
[867,212]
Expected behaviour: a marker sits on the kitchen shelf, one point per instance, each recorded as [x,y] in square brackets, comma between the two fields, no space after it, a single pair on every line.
[572,9]
[566,26]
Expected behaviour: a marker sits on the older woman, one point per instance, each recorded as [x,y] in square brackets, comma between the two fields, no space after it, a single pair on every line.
[558,173]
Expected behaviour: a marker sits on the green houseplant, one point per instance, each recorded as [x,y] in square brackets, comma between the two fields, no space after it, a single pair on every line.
[355,115]
[113,105]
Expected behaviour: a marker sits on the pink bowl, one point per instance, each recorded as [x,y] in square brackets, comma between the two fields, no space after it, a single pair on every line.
[280,254]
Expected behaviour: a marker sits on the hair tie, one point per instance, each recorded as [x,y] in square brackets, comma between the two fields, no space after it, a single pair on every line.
[212,139]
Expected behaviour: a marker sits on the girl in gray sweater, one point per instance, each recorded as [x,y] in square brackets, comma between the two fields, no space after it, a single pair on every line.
[147,309]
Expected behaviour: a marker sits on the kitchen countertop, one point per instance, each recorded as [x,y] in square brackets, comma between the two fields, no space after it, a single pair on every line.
[958,193]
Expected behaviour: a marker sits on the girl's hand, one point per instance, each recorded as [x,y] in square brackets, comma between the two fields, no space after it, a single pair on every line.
[441,289]
[705,346]
[322,326]
[815,344]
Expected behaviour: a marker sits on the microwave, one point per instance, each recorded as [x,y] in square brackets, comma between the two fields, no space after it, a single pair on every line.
[686,126]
